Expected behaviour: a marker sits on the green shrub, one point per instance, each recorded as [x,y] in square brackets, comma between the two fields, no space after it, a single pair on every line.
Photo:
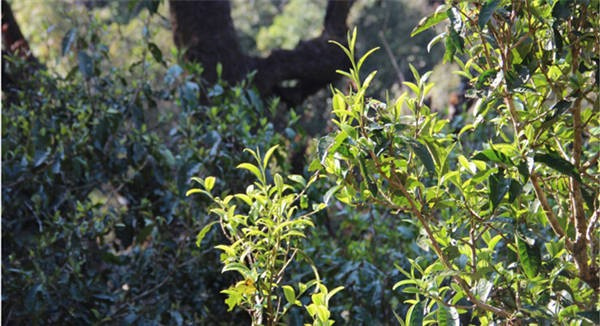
[95,224]
[263,239]
[512,219]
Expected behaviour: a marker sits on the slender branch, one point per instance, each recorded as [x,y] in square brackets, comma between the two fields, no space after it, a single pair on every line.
[436,247]
[539,192]
[393,60]
[587,271]
[591,162]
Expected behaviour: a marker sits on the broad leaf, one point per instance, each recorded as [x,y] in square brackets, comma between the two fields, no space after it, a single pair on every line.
[486,12]
[86,66]
[447,316]
[530,257]
[429,21]
[416,314]
[209,183]
[156,53]
[499,186]
[492,155]
[559,164]
[68,40]
[423,155]
[252,168]
[515,190]
[203,232]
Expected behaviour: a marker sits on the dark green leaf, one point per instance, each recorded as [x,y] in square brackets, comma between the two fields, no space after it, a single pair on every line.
[592,316]
[152,6]
[39,158]
[68,40]
[86,65]
[524,168]
[423,155]
[515,190]
[484,78]
[561,10]
[492,155]
[450,49]
[458,41]
[559,164]
[144,233]
[559,108]
[454,16]
[415,314]
[156,53]
[111,258]
[486,12]
[323,147]
[451,252]
[530,257]
[499,186]
[367,176]
[558,38]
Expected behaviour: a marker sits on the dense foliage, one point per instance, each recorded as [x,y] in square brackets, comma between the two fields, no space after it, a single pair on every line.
[512,214]
[95,224]
[407,217]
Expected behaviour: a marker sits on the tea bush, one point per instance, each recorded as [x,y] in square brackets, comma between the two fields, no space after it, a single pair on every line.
[512,218]
[95,224]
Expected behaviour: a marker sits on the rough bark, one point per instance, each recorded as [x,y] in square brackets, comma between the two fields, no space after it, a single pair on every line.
[205,31]
[14,44]
[13,41]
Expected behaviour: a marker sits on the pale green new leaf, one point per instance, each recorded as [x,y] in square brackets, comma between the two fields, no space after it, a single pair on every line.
[430,21]
[269,154]
[289,293]
[209,183]
[252,168]
[203,233]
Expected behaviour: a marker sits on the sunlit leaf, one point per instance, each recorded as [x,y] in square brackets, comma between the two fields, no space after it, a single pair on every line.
[447,316]
[252,168]
[209,183]
[289,293]
[203,233]
[429,21]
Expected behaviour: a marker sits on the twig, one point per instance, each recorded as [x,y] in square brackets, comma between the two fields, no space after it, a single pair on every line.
[554,224]
[390,54]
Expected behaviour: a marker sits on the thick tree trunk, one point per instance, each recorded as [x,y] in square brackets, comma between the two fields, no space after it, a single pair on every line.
[205,31]
[14,44]
[13,41]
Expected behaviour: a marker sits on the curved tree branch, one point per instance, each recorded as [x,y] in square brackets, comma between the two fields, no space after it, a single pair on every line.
[205,31]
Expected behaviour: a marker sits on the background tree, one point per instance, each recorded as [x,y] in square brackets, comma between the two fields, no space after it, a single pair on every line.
[205,32]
